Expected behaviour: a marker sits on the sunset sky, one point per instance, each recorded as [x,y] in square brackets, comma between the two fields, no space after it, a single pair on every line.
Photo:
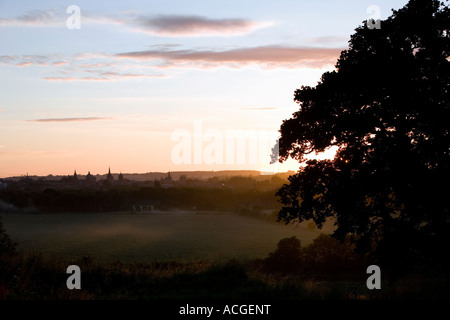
[114,92]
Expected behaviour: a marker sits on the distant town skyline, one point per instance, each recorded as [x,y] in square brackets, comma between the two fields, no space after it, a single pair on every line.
[87,85]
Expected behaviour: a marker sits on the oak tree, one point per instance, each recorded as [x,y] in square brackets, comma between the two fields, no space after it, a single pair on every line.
[386,107]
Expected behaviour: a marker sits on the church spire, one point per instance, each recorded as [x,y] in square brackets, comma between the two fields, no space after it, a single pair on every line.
[109,176]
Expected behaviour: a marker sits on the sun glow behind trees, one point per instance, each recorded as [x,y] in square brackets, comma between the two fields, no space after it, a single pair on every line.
[112,91]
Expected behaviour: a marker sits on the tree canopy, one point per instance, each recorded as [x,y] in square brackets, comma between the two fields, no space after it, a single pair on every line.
[386,106]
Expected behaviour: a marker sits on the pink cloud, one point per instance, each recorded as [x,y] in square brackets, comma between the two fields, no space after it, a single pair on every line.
[104,76]
[71,119]
[59,63]
[24,64]
[269,56]
[95,65]
[60,78]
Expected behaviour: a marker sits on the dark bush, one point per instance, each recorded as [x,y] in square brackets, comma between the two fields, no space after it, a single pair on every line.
[287,258]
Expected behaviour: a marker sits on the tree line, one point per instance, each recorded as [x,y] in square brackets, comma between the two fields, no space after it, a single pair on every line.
[137,198]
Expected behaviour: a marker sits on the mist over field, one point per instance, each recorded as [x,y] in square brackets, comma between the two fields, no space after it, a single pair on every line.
[153,236]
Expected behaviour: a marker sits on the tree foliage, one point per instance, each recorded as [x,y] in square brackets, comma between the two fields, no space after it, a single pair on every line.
[287,257]
[386,106]
[7,245]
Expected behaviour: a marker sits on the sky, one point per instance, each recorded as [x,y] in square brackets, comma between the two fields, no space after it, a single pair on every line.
[145,86]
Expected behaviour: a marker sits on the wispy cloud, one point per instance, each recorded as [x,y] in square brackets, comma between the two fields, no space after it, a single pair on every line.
[105,76]
[24,64]
[38,18]
[267,56]
[36,153]
[46,18]
[258,109]
[165,45]
[26,60]
[325,40]
[155,63]
[83,67]
[7,59]
[59,63]
[60,78]
[177,25]
[164,25]
[71,119]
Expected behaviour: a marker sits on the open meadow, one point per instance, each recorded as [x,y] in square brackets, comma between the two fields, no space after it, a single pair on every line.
[151,236]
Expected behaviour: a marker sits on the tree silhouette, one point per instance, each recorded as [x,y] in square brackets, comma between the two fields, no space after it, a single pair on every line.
[386,107]
[7,252]
[287,257]
[326,255]
[7,246]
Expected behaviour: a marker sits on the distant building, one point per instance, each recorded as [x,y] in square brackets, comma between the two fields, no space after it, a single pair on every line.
[90,178]
[3,185]
[166,182]
[73,179]
[109,176]
[120,178]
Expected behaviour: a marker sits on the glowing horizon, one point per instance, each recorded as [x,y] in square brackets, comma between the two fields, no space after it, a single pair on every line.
[108,88]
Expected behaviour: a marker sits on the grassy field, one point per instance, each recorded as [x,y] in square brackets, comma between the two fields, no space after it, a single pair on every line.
[152,236]
[187,256]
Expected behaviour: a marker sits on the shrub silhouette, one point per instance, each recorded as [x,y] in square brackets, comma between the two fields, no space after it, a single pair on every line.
[8,253]
[7,246]
[287,257]
[326,255]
